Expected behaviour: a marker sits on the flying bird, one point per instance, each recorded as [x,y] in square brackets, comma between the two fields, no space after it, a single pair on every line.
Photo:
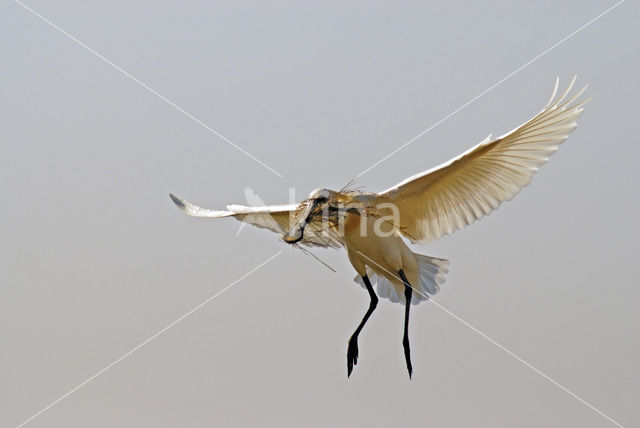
[372,227]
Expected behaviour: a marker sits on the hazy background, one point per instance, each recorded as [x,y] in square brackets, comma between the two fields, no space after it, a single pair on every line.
[95,258]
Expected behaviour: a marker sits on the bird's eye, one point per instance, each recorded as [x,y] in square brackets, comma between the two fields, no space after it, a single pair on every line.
[321,200]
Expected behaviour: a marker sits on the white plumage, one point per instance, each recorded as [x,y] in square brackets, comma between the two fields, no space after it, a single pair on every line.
[422,208]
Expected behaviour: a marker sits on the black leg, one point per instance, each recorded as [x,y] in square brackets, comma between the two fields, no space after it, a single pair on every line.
[408,291]
[352,350]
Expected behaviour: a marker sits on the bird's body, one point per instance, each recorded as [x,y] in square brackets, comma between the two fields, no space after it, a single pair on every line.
[374,248]
[372,227]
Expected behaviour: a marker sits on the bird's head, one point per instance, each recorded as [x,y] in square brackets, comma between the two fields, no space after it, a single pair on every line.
[314,208]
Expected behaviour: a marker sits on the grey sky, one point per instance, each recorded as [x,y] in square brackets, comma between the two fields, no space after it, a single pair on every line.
[95,258]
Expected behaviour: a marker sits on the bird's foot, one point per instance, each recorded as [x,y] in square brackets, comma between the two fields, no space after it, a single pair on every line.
[352,355]
[407,355]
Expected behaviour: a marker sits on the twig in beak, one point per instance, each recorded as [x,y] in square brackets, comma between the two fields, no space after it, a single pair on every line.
[309,253]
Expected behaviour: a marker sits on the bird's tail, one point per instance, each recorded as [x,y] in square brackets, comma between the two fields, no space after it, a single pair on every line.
[431,274]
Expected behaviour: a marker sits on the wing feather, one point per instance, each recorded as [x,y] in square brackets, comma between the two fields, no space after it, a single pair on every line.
[275,218]
[461,191]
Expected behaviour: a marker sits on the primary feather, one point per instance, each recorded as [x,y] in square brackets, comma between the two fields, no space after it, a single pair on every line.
[457,193]
[275,218]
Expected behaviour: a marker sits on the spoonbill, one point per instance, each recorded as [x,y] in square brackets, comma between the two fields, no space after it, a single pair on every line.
[422,208]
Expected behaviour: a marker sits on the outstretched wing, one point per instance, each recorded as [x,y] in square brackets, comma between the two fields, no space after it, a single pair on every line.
[275,218]
[457,193]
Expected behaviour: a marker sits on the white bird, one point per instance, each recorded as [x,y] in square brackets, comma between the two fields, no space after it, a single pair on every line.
[422,208]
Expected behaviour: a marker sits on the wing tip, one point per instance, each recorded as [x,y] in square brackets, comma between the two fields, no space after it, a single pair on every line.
[178,201]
